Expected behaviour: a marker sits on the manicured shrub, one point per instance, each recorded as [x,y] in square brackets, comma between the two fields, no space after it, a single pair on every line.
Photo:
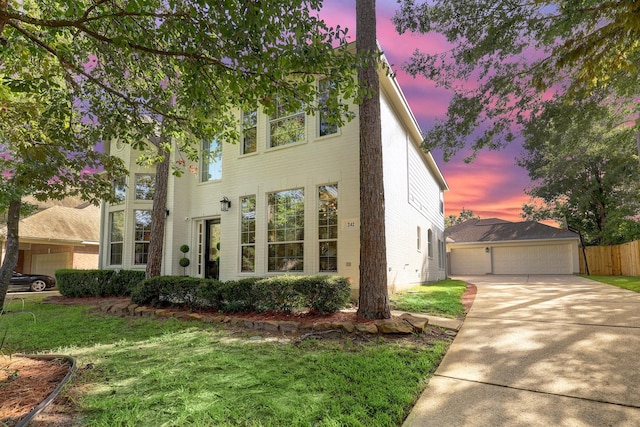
[238,295]
[278,293]
[83,283]
[97,283]
[285,293]
[123,282]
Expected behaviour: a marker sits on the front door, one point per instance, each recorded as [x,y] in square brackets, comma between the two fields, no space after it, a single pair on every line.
[212,251]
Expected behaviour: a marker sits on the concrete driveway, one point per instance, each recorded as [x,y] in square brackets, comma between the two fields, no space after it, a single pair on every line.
[539,351]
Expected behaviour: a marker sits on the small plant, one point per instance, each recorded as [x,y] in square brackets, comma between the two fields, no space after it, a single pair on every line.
[184,261]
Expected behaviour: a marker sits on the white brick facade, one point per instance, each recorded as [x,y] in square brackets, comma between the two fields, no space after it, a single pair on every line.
[413,191]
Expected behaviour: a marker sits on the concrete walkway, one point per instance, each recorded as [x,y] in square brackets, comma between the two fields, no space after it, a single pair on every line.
[539,351]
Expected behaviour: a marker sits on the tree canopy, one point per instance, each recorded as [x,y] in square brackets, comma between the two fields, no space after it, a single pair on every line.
[151,73]
[583,162]
[465,215]
[507,56]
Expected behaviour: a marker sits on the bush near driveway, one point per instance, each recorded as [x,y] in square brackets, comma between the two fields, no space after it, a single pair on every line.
[97,283]
[324,294]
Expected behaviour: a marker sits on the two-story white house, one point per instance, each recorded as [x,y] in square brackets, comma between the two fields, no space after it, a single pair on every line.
[285,199]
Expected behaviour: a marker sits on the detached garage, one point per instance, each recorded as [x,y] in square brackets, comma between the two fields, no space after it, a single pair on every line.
[495,246]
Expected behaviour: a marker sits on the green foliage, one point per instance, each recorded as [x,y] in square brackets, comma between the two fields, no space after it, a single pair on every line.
[324,294]
[631,283]
[465,215]
[439,298]
[582,159]
[97,283]
[505,58]
[184,249]
[184,262]
[202,375]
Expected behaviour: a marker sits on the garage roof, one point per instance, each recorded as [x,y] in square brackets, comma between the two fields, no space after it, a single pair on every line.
[499,230]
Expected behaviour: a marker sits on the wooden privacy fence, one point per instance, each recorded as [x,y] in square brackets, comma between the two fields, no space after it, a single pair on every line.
[614,260]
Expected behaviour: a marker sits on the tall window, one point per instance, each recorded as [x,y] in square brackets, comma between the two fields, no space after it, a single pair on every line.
[285,127]
[248,233]
[328,227]
[441,254]
[418,238]
[249,131]
[326,127]
[116,237]
[211,161]
[142,236]
[285,230]
[430,243]
[145,186]
[119,189]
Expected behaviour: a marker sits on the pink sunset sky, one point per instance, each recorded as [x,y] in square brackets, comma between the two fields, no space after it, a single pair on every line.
[492,185]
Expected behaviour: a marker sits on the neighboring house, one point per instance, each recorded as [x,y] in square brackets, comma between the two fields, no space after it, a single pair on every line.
[293,192]
[57,237]
[495,246]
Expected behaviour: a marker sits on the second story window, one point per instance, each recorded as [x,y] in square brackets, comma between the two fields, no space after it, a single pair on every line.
[249,131]
[211,161]
[285,126]
[145,186]
[119,189]
[326,126]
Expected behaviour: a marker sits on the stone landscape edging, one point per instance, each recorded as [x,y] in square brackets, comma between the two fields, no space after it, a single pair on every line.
[405,324]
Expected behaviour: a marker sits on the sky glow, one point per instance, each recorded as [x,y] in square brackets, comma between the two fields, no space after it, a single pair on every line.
[492,185]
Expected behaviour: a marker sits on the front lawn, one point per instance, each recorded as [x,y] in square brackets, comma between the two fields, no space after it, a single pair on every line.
[440,298]
[631,283]
[145,372]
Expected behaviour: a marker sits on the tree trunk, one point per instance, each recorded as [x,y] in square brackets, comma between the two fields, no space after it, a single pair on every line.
[13,248]
[158,214]
[373,300]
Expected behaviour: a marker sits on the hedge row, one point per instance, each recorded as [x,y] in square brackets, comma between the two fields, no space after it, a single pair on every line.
[97,283]
[324,294]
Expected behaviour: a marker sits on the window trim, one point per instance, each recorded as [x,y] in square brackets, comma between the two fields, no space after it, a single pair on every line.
[146,231]
[286,117]
[252,244]
[112,242]
[206,162]
[275,231]
[430,243]
[152,191]
[243,130]
[336,226]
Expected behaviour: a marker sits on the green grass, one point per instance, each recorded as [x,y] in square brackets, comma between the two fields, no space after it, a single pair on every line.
[440,298]
[631,283]
[147,372]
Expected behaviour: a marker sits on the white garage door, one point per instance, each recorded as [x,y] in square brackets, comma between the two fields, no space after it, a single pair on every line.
[540,259]
[468,261]
[49,263]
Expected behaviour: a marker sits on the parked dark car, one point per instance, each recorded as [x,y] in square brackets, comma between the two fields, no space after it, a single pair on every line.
[31,282]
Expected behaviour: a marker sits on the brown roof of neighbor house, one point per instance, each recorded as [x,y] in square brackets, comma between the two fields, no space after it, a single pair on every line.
[61,224]
[499,230]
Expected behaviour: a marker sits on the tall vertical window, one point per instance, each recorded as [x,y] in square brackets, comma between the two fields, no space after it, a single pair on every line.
[430,243]
[327,127]
[249,131]
[248,233]
[211,169]
[328,227]
[200,246]
[285,230]
[116,237]
[418,238]
[441,254]
[142,236]
[145,186]
[119,190]
[286,127]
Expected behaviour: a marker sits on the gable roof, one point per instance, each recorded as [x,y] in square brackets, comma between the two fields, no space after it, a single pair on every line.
[59,223]
[499,230]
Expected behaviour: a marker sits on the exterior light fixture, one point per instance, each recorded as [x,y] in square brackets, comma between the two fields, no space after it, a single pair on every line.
[225,204]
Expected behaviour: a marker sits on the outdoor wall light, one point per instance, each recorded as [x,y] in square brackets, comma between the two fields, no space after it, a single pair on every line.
[225,204]
[487,250]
